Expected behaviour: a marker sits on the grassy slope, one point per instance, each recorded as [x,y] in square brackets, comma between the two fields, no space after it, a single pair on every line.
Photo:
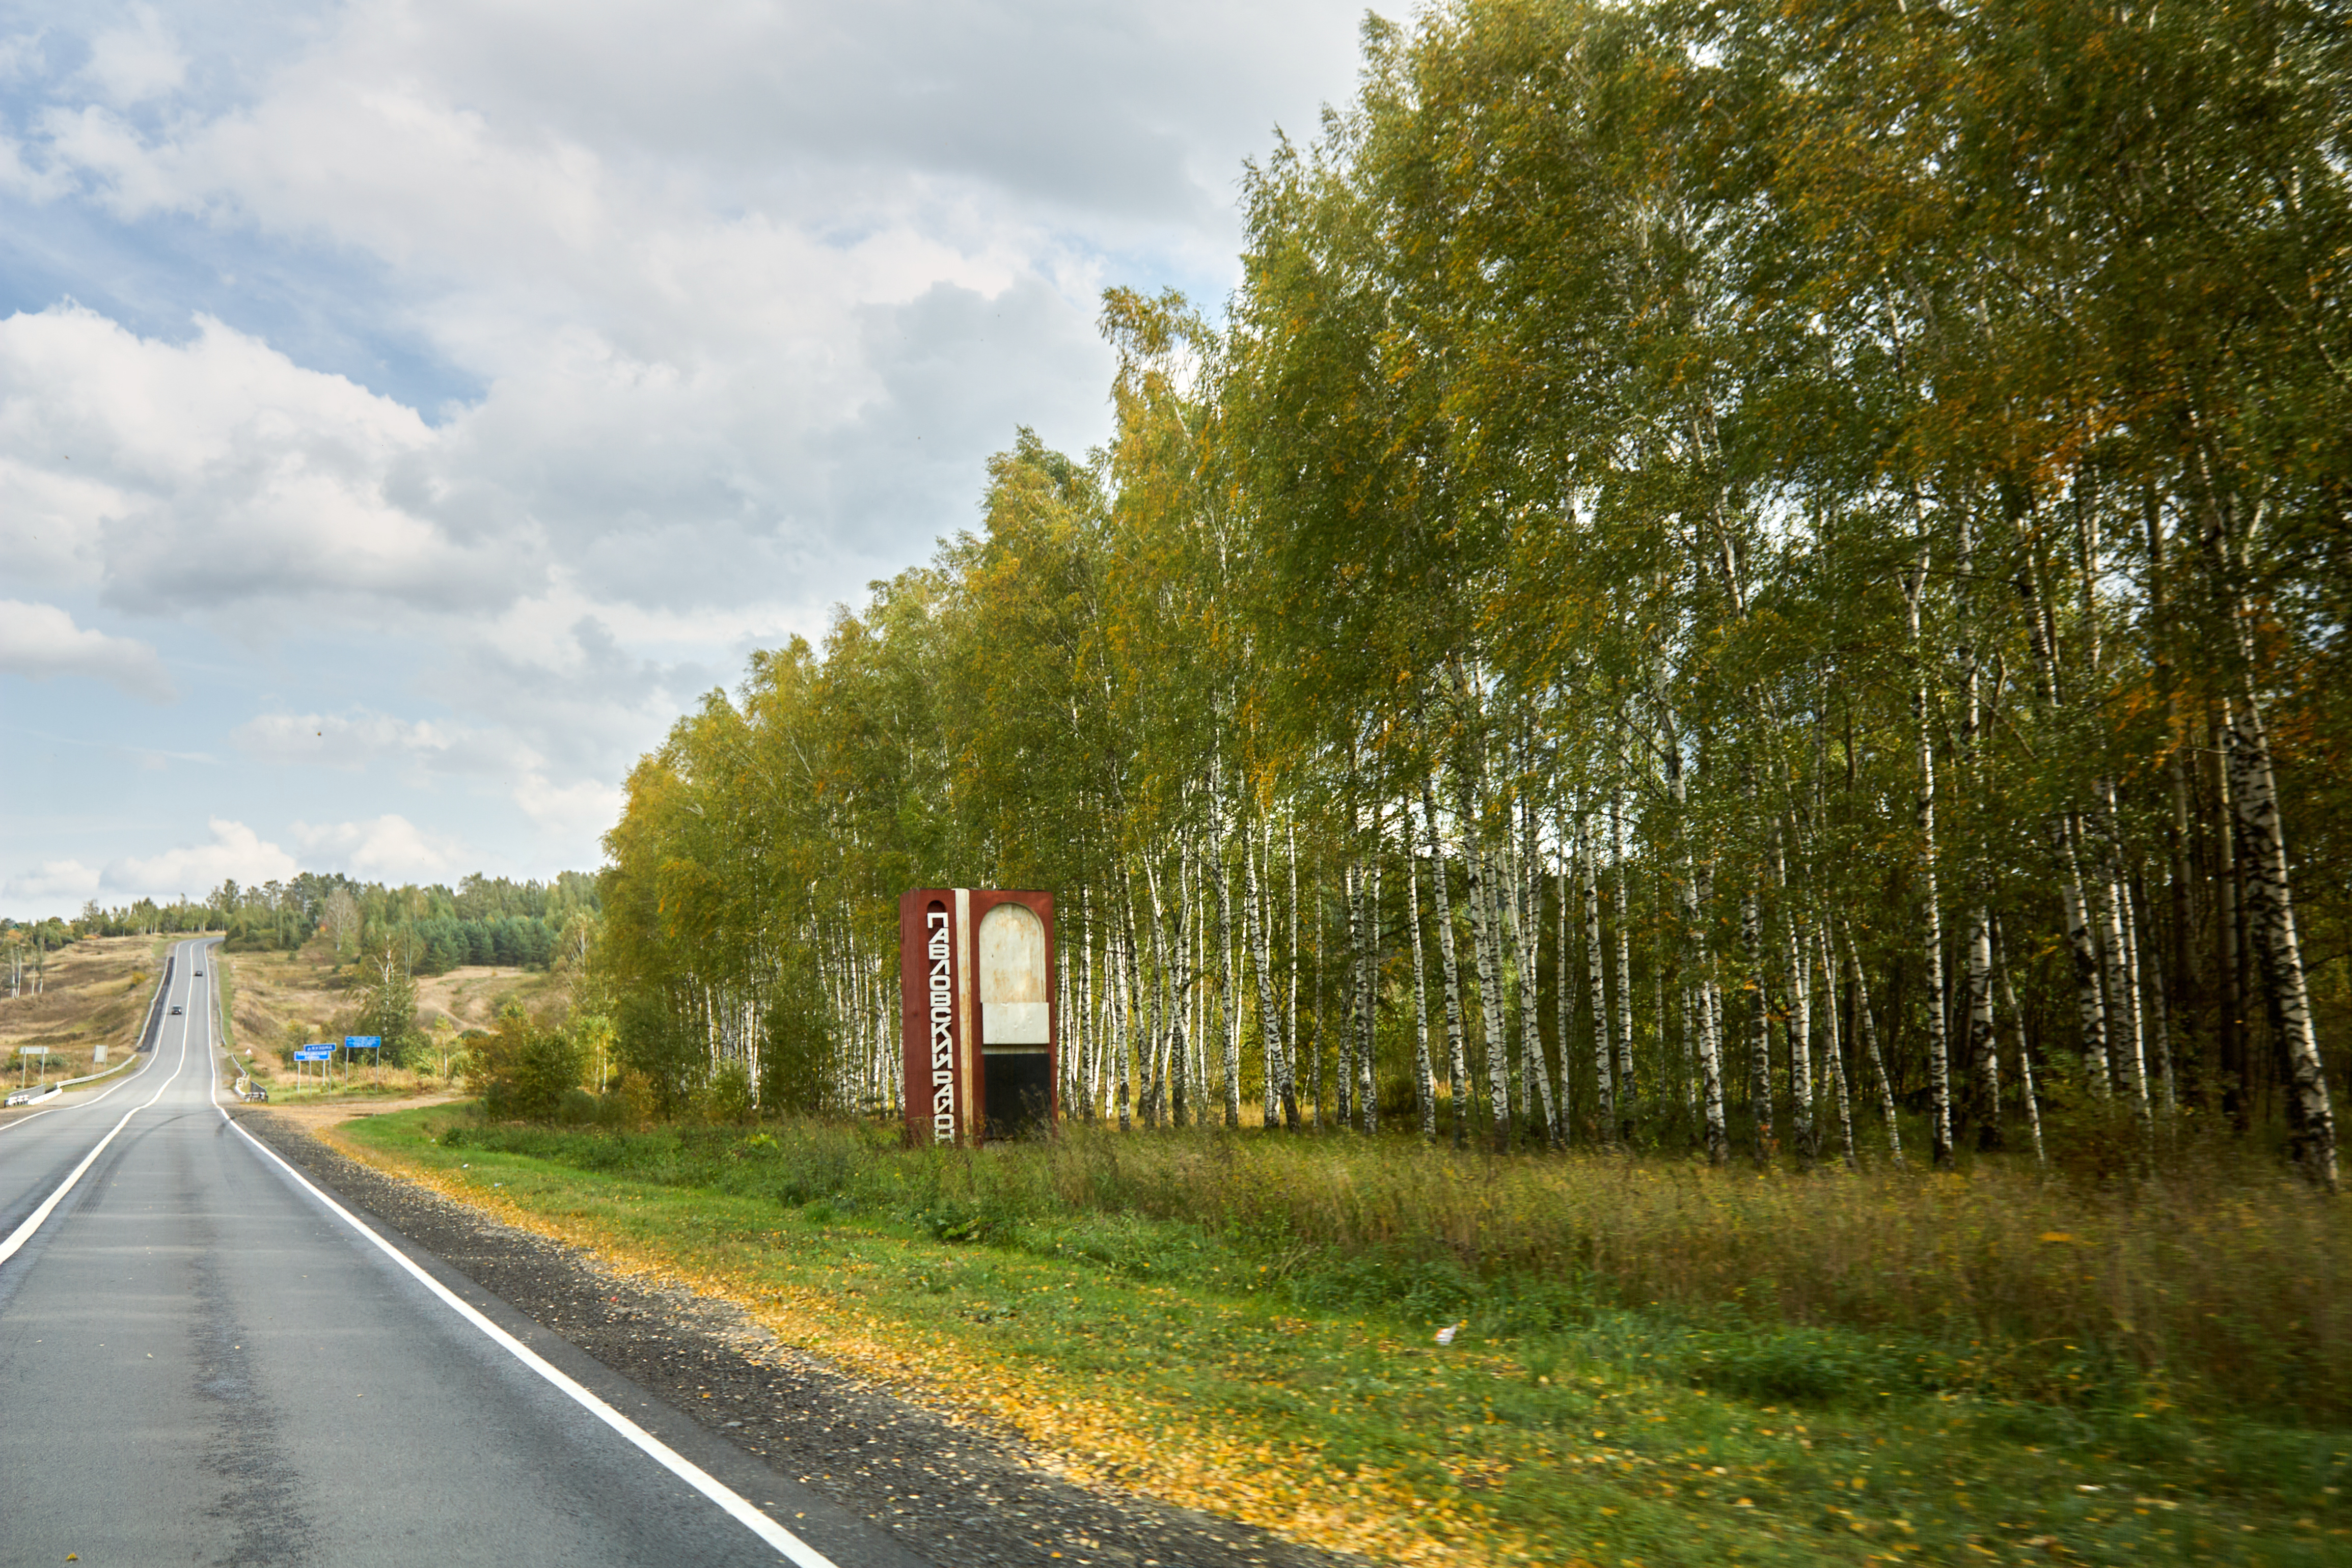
[282,998]
[1240,1377]
[97,992]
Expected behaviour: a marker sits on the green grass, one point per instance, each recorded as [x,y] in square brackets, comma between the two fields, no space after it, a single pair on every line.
[1569,1419]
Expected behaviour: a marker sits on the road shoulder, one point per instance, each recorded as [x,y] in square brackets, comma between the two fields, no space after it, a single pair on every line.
[948,1489]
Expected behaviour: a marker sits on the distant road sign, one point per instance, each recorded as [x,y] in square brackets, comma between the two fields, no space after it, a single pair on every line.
[33,1050]
[313,1052]
[362,1042]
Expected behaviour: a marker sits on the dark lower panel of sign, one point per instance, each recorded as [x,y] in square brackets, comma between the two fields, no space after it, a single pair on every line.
[1018,1089]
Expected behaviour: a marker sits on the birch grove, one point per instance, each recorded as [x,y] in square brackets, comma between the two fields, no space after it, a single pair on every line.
[1725,531]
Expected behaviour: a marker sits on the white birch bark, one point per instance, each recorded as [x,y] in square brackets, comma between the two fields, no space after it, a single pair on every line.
[1710,1064]
[1456,1048]
[1290,1035]
[1870,1047]
[1490,988]
[1269,1023]
[2160,1013]
[1604,1087]
[1760,1028]
[2025,1058]
[1801,1043]
[1931,931]
[2116,962]
[1229,1015]
[1368,1085]
[1833,1052]
[2270,901]
[1528,924]
[1424,1076]
[1628,1096]
[1352,885]
[2135,1022]
[2082,950]
[1984,1043]
[1563,990]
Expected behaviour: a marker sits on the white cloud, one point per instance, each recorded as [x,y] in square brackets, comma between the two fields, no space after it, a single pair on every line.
[53,884]
[584,809]
[40,641]
[387,849]
[236,850]
[212,473]
[364,739]
[131,65]
[523,365]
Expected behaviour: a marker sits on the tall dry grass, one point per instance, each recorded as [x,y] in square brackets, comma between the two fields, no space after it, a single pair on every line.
[2221,1281]
[2223,1275]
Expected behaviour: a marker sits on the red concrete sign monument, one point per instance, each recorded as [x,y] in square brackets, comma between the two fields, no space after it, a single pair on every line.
[977,1025]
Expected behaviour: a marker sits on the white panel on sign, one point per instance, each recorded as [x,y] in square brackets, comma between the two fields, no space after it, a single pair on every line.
[1012,1023]
[1012,955]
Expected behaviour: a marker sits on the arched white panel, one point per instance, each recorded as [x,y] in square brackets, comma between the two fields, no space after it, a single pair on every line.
[1013,985]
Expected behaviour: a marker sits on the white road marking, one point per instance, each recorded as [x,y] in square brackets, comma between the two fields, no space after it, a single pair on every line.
[23,1233]
[86,1105]
[735,1505]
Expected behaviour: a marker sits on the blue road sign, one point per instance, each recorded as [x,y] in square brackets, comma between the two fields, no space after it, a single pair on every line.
[362,1042]
[313,1052]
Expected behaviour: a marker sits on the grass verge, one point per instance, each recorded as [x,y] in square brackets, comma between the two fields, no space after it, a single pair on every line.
[1280,1377]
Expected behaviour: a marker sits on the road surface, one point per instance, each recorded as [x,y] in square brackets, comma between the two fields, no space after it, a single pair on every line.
[204,1359]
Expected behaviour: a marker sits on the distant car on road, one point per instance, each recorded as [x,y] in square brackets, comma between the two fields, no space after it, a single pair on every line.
[177,1011]
[200,974]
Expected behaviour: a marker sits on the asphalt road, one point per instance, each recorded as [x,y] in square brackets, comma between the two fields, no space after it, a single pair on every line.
[204,1359]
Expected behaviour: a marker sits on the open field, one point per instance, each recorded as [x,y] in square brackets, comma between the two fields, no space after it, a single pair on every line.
[96,994]
[280,999]
[1249,1358]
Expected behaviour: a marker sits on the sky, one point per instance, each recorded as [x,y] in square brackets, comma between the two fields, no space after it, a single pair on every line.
[408,408]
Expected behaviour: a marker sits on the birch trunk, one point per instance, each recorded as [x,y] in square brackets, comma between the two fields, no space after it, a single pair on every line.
[1710,1063]
[1368,1082]
[1628,1096]
[1352,885]
[1456,1047]
[2090,1006]
[1527,934]
[1425,1077]
[1563,992]
[2024,1056]
[1800,1032]
[2270,901]
[2136,1021]
[1482,943]
[1315,1062]
[1931,931]
[1290,1036]
[2123,997]
[1870,1047]
[1984,1044]
[1605,1088]
[2160,1010]
[1760,1028]
[1229,1015]
[1269,1023]
[1833,1055]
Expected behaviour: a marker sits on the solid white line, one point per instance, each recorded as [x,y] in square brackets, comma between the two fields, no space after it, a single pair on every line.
[23,1233]
[109,1088]
[734,1503]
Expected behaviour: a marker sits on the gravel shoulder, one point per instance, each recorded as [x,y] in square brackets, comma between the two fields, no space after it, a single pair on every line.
[949,1490]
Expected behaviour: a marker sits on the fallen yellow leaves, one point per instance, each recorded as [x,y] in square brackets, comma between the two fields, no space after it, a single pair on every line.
[1092,1435]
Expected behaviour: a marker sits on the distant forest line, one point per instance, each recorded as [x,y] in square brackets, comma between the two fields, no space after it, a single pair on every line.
[424,929]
